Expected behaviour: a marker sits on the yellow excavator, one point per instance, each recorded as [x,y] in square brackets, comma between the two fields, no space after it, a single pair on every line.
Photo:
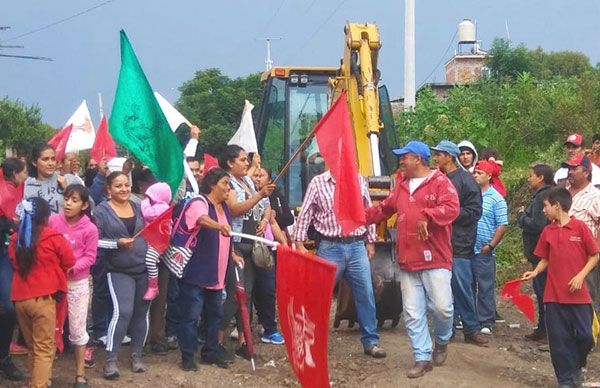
[294,100]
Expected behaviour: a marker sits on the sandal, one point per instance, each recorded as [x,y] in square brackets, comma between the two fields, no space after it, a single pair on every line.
[80,382]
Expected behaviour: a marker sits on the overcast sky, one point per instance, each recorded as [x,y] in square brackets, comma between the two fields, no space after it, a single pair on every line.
[174,39]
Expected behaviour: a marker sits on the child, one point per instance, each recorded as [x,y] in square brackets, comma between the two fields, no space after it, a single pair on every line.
[41,258]
[82,235]
[156,202]
[569,251]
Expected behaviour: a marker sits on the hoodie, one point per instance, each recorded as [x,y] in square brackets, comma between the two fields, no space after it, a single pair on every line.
[48,275]
[83,239]
[435,201]
[156,202]
[469,145]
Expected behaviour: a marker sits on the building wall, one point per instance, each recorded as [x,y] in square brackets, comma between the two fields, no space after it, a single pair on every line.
[463,69]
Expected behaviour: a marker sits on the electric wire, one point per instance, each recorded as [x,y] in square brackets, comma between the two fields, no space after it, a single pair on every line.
[58,21]
[440,61]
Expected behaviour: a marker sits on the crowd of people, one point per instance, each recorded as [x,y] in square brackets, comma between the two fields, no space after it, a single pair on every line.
[72,240]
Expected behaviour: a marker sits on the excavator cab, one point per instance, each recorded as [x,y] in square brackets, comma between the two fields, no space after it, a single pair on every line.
[294,100]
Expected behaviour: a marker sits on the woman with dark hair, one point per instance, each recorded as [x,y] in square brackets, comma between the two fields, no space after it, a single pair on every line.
[41,258]
[44,180]
[247,207]
[12,176]
[119,220]
[203,280]
[533,220]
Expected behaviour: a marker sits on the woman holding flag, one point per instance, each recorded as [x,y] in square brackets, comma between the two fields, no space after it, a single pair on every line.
[119,222]
[44,180]
[248,216]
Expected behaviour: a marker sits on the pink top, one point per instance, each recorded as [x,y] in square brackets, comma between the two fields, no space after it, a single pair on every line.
[83,240]
[196,210]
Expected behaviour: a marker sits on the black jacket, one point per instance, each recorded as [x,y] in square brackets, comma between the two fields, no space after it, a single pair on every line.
[283,215]
[464,228]
[533,221]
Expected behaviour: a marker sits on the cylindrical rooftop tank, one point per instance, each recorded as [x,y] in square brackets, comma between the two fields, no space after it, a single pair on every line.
[466,32]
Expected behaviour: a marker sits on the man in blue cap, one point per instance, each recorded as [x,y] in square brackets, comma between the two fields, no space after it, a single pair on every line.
[464,232]
[426,203]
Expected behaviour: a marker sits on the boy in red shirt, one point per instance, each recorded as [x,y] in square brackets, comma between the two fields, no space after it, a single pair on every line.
[568,251]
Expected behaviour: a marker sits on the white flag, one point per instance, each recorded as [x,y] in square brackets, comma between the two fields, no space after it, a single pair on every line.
[245,136]
[83,133]
[173,116]
[175,119]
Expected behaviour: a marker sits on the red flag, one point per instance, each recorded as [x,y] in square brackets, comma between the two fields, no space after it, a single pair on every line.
[104,145]
[60,140]
[336,145]
[209,162]
[512,291]
[304,290]
[10,196]
[158,232]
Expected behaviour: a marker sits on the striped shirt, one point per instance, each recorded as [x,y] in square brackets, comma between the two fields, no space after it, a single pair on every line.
[494,214]
[586,207]
[317,209]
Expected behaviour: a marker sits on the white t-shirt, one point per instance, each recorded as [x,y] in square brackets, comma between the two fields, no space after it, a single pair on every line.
[563,173]
[414,183]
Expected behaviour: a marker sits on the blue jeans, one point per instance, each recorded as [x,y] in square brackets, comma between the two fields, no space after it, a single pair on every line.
[484,272]
[264,299]
[353,263]
[172,306]
[193,301]
[421,291]
[462,290]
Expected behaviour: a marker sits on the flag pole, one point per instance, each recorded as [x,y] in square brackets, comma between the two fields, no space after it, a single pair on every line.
[300,149]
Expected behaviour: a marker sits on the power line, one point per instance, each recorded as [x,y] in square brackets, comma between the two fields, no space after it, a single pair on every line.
[441,60]
[272,18]
[322,25]
[58,21]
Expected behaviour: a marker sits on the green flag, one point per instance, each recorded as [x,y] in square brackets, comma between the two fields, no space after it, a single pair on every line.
[138,123]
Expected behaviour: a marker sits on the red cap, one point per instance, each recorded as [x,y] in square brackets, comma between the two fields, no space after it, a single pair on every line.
[575,138]
[580,160]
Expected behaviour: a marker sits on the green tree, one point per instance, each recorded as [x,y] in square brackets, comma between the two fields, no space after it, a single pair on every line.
[215,103]
[21,126]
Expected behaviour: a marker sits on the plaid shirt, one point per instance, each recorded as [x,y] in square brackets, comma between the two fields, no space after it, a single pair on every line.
[317,209]
[586,207]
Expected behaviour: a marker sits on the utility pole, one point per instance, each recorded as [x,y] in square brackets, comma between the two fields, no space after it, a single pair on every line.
[100,105]
[409,55]
[269,61]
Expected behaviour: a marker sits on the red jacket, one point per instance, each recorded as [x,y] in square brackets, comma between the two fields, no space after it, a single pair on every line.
[435,201]
[49,272]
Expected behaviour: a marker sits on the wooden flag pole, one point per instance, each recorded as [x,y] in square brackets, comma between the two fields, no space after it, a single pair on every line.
[300,149]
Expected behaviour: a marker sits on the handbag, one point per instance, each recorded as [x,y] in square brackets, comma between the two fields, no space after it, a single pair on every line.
[177,257]
[261,255]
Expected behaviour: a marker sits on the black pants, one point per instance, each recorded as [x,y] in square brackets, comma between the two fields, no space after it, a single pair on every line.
[569,328]
[539,285]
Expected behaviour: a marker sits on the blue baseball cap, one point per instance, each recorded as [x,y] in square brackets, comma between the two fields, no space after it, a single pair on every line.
[414,147]
[448,147]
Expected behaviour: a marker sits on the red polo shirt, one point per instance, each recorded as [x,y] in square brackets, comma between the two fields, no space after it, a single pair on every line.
[567,250]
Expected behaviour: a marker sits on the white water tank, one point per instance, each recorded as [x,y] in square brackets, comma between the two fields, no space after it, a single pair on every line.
[466,32]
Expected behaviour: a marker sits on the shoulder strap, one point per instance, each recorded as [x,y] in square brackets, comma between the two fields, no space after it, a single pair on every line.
[192,236]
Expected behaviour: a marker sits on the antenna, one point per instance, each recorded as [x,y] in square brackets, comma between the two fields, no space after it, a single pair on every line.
[268,60]
[507,31]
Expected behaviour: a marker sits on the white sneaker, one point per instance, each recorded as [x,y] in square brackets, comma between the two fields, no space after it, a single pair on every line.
[103,340]
[234,334]
[126,340]
[486,331]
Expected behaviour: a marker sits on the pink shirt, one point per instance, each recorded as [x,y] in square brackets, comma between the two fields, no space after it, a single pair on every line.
[196,210]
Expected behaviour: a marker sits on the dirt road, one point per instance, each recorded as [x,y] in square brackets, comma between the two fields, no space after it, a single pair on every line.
[509,361]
